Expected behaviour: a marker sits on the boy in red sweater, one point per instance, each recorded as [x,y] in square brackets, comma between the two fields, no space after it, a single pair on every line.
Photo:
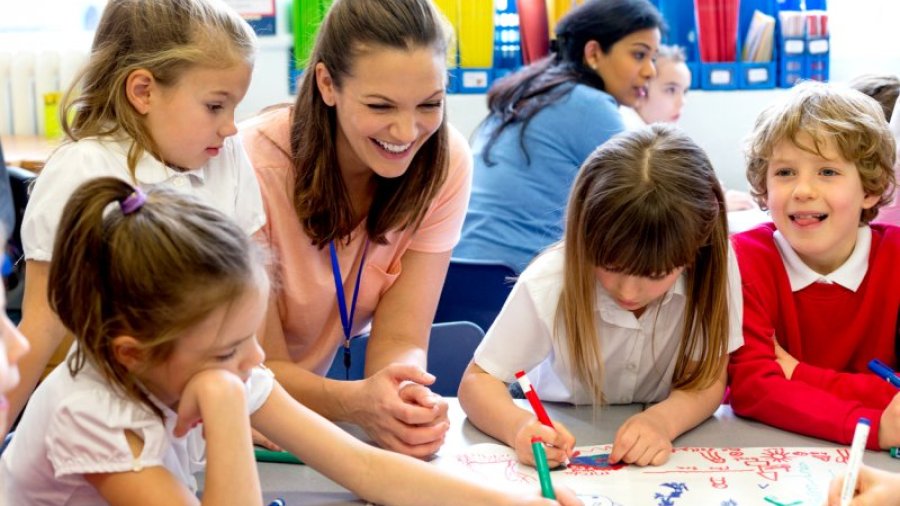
[821,286]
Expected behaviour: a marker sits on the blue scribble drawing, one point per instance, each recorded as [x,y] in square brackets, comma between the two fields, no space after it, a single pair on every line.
[729,502]
[678,488]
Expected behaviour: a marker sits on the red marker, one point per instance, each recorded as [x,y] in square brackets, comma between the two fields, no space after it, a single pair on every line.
[532,397]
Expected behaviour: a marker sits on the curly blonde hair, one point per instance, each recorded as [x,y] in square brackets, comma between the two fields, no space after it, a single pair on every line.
[852,122]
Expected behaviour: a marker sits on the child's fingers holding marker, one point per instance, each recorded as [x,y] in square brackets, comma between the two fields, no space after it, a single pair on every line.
[556,454]
[564,440]
[566,496]
[874,487]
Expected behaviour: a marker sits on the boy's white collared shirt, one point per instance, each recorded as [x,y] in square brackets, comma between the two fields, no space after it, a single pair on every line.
[849,275]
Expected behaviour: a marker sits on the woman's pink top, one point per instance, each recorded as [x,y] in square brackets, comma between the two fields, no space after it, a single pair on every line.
[303,285]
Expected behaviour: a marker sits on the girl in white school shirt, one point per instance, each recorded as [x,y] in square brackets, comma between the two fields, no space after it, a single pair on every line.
[640,302]
[164,295]
[154,106]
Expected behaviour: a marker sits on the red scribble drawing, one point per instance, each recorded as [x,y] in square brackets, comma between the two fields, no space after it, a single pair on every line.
[843,455]
[477,462]
[776,454]
[718,482]
[712,455]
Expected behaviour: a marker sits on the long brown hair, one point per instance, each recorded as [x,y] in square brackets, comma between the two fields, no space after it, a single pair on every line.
[645,203]
[350,30]
[150,274]
[166,38]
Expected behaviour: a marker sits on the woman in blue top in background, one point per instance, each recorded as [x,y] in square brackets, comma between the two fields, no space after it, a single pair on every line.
[546,119]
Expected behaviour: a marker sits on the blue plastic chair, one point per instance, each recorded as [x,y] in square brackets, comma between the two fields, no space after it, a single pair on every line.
[450,348]
[474,291]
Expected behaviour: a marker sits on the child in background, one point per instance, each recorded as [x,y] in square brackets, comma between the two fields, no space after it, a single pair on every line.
[663,102]
[820,283]
[639,303]
[885,89]
[164,295]
[665,93]
[155,105]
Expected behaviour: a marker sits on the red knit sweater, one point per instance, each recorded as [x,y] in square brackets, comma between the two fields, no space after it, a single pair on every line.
[831,330]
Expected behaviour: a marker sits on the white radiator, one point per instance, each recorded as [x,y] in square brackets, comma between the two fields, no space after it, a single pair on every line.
[28,81]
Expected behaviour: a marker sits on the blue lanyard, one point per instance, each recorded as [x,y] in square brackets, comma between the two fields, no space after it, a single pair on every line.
[346,319]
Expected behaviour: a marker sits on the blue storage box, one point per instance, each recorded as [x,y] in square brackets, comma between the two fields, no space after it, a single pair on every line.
[500,73]
[756,75]
[694,67]
[451,81]
[817,57]
[718,76]
[791,61]
[471,80]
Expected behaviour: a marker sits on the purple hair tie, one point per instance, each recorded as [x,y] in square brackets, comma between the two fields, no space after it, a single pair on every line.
[133,202]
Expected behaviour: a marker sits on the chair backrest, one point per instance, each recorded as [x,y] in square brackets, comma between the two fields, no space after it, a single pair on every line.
[357,360]
[20,181]
[450,348]
[474,291]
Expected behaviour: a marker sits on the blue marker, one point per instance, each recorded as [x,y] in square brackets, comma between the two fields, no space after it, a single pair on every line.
[277,502]
[884,372]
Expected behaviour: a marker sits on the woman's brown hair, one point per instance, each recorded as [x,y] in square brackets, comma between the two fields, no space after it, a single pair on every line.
[350,30]
[646,203]
[149,274]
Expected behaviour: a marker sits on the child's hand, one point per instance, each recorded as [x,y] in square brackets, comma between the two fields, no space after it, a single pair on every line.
[260,440]
[209,393]
[787,362]
[874,487]
[642,440]
[398,411]
[560,443]
[564,497]
[889,428]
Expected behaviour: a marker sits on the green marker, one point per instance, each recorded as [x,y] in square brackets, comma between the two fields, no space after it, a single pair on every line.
[776,502]
[543,469]
[282,457]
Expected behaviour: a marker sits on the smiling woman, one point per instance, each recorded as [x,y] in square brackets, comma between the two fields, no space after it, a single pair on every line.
[366,187]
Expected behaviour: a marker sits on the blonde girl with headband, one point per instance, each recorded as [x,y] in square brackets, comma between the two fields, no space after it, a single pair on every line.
[164,295]
[640,303]
[155,106]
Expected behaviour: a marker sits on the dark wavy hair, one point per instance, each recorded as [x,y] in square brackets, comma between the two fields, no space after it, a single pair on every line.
[518,97]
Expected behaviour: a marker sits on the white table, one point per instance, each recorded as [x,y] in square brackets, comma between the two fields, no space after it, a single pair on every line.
[301,485]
